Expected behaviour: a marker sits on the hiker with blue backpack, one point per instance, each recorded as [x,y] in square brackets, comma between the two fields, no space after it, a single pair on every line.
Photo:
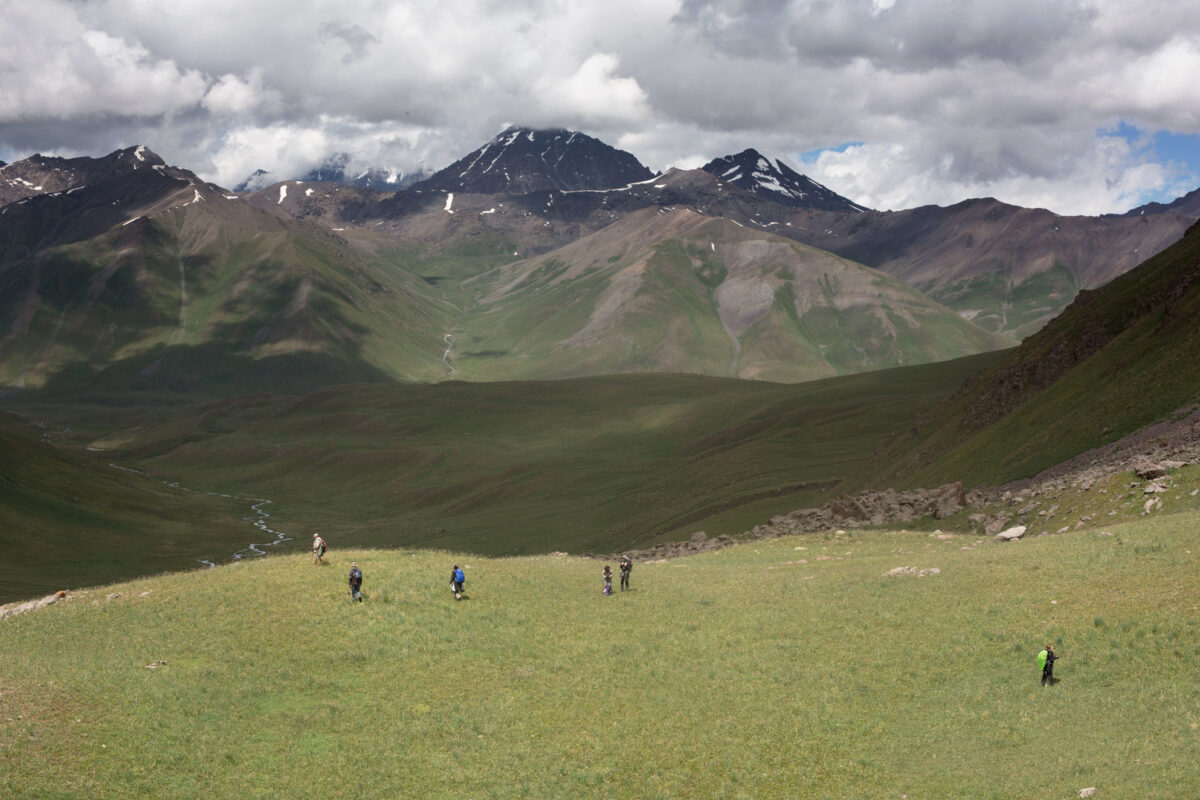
[355,583]
[457,579]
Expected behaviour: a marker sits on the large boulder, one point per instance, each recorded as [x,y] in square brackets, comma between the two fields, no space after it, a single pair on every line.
[1011,535]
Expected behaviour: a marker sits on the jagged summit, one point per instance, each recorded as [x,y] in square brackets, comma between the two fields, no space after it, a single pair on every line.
[41,174]
[522,160]
[775,180]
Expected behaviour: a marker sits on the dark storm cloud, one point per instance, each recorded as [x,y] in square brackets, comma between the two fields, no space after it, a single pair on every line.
[904,37]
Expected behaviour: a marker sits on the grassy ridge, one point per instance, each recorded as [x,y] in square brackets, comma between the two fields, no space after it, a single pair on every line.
[789,668]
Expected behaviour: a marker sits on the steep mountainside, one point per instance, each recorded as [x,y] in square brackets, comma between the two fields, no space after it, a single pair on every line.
[677,291]
[1119,358]
[775,180]
[154,280]
[1007,268]
[521,160]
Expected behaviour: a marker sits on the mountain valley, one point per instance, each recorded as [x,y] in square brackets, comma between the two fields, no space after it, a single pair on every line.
[504,359]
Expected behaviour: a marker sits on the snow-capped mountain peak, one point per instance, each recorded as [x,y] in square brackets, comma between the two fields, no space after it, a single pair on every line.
[775,180]
[521,160]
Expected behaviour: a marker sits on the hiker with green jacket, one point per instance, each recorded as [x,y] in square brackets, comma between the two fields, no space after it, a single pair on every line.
[1046,660]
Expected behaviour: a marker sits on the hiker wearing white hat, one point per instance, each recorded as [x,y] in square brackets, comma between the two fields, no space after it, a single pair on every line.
[318,548]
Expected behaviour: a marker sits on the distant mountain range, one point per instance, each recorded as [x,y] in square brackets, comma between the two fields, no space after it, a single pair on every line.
[542,254]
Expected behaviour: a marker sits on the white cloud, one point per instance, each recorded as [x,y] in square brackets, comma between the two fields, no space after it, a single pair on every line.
[596,93]
[1000,97]
[55,68]
[231,95]
[1105,176]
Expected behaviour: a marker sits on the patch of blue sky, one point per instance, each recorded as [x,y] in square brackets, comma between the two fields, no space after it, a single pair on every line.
[809,157]
[1179,153]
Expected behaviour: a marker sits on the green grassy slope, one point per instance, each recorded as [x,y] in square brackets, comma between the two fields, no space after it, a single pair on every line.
[1119,358]
[781,669]
[66,520]
[591,465]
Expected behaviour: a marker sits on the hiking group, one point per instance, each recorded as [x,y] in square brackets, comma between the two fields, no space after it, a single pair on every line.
[457,577]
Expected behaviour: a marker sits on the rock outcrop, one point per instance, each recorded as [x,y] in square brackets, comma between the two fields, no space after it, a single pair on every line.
[868,508]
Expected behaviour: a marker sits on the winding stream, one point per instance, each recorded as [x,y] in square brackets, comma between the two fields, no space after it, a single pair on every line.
[449,339]
[258,518]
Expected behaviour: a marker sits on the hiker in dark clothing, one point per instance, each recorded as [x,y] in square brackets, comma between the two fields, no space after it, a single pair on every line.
[626,568]
[1047,657]
[457,579]
[355,583]
[607,580]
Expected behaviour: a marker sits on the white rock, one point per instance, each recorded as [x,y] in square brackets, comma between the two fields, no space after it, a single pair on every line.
[911,572]
[1011,535]
[1088,792]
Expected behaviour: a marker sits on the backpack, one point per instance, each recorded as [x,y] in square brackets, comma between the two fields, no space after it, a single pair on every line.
[459,577]
[356,575]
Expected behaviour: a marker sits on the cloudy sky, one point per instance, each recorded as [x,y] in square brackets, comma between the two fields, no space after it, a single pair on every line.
[1080,106]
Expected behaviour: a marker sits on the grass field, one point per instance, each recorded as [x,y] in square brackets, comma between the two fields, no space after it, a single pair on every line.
[784,669]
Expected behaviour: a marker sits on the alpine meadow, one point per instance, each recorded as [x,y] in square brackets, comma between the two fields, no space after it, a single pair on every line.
[866,465]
